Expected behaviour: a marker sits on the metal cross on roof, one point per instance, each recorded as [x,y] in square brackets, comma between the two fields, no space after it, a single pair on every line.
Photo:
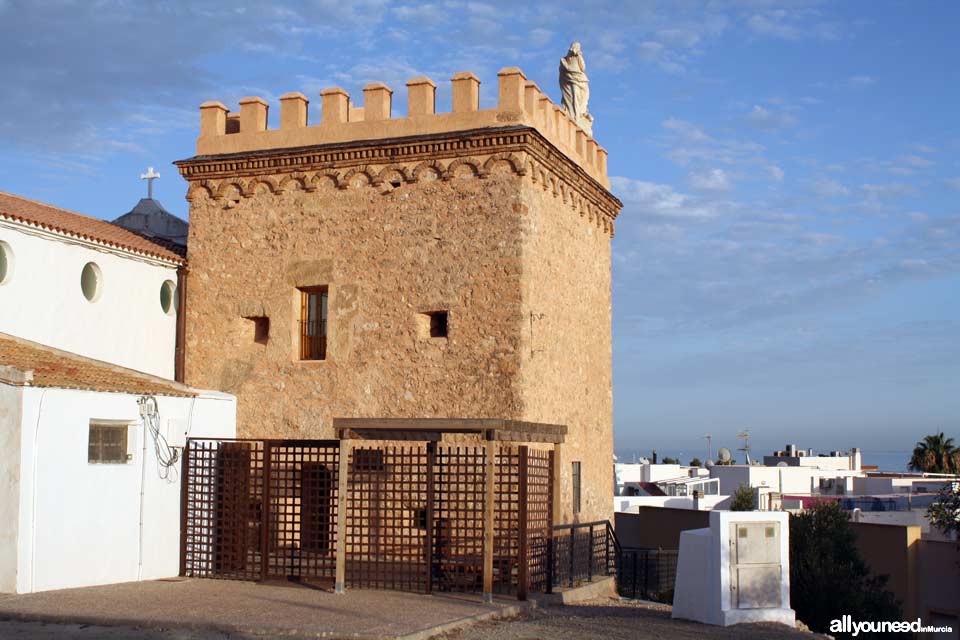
[149,176]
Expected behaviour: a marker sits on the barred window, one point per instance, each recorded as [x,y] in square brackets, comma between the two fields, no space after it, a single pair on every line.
[313,323]
[576,487]
[107,443]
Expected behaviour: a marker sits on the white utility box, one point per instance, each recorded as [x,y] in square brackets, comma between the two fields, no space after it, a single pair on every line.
[737,570]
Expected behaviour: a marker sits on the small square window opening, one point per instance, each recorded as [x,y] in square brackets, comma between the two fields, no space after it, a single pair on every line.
[438,324]
[107,444]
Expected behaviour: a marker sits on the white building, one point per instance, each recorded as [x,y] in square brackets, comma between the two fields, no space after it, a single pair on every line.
[87,286]
[84,497]
[91,425]
[664,485]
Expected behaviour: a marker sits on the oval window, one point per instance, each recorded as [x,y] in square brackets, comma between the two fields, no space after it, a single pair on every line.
[6,262]
[91,281]
[168,301]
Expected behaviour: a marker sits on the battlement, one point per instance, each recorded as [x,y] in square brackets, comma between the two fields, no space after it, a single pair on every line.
[520,102]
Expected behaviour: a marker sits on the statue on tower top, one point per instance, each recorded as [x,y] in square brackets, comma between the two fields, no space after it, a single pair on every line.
[575,87]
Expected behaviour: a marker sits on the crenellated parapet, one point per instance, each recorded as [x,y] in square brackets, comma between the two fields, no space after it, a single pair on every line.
[519,102]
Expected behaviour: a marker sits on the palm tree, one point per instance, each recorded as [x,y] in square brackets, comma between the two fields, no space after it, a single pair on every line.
[935,454]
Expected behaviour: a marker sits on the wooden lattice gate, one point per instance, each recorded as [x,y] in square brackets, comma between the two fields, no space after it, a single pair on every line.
[259,509]
[414,514]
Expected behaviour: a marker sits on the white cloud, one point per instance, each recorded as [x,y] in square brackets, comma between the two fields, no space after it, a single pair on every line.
[653,198]
[886,191]
[792,25]
[953,183]
[650,50]
[711,180]
[828,188]
[685,38]
[769,120]
[776,173]
[686,130]
[917,161]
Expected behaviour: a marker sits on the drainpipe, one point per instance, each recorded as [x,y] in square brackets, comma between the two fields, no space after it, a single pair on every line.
[142,402]
[180,349]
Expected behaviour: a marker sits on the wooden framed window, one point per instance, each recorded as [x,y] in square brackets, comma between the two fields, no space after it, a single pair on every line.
[313,323]
[576,487]
[107,443]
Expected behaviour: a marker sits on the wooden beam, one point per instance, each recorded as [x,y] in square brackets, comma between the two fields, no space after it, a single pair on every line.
[419,428]
[346,446]
[490,480]
[523,568]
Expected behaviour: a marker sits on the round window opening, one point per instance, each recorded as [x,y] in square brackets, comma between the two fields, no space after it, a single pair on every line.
[91,281]
[6,262]
[168,301]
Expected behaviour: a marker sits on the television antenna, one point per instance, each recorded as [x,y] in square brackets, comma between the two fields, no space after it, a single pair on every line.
[745,436]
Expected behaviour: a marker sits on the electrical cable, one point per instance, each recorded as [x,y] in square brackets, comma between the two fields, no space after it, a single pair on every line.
[167,456]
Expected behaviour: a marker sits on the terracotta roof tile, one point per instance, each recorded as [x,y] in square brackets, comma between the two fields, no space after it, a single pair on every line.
[62,369]
[45,216]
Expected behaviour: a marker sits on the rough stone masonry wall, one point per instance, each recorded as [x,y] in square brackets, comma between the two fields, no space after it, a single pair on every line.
[567,350]
[387,254]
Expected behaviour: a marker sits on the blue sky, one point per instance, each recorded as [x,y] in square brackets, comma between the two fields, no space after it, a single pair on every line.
[788,255]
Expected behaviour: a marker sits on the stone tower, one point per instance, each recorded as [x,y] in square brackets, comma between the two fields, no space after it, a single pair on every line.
[435,265]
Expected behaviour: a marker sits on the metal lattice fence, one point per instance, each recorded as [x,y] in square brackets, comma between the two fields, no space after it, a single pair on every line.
[648,574]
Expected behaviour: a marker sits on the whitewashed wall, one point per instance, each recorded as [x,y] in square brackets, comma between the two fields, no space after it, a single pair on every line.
[789,480]
[42,301]
[10,420]
[627,504]
[79,523]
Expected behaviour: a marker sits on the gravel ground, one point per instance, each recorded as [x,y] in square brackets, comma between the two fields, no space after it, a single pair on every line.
[613,619]
[13,630]
[602,619]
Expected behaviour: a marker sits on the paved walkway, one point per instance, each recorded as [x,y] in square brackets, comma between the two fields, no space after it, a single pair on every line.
[214,608]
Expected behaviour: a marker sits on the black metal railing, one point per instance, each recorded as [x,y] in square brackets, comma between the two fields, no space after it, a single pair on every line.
[313,339]
[581,552]
[648,574]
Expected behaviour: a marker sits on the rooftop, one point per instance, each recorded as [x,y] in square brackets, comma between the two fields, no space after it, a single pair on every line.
[27,363]
[68,223]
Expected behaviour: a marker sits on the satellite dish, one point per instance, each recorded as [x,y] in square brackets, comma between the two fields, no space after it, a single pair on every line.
[782,464]
[724,454]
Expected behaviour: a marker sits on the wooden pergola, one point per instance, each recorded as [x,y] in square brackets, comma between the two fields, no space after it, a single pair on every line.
[431,430]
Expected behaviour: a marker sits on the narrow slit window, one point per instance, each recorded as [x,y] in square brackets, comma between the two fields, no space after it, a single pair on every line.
[313,323]
[576,487]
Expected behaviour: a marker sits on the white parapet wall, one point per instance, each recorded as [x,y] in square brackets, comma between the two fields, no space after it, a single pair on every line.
[630,504]
[735,571]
